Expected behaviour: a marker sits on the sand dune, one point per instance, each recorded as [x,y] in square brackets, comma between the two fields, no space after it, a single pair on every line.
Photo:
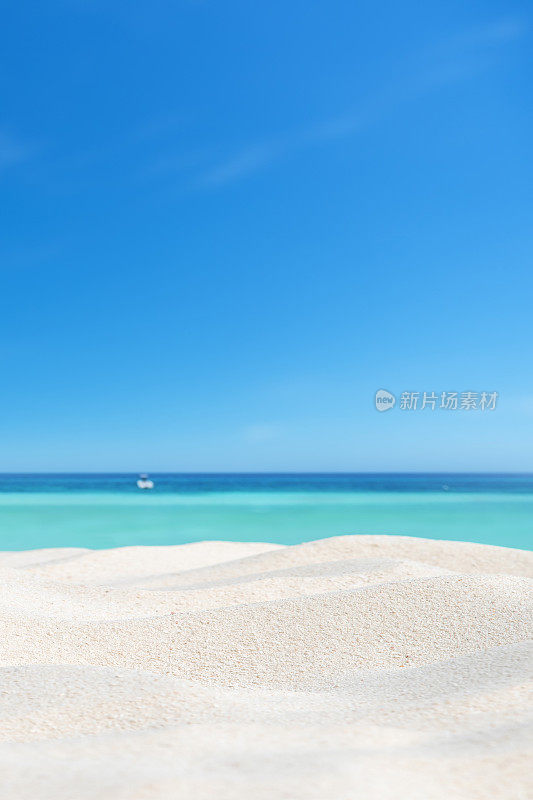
[358,666]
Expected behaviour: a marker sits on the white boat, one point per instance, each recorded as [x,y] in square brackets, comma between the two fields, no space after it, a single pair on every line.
[144,482]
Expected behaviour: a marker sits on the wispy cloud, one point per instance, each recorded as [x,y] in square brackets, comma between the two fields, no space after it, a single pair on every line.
[496,33]
[468,53]
[261,154]
[244,162]
[456,59]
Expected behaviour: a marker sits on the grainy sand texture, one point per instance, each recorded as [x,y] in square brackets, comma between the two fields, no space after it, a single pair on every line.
[372,667]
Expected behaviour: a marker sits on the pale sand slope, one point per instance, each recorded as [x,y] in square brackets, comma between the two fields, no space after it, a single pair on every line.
[373,667]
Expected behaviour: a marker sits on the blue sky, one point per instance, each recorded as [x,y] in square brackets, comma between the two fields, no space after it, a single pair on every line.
[226,225]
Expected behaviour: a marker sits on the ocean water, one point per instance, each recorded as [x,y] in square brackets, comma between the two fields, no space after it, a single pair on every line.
[109,511]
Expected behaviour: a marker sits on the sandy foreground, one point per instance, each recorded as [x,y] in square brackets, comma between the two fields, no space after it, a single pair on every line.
[370,667]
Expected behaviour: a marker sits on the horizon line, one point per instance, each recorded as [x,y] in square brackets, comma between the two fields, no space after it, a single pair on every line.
[272,472]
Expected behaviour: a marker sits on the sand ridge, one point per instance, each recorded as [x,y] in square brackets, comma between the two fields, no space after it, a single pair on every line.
[339,668]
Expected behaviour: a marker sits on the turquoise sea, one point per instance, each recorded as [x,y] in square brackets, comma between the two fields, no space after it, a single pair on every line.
[110,511]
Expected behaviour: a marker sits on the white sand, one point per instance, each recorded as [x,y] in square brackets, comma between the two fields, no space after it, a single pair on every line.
[367,667]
